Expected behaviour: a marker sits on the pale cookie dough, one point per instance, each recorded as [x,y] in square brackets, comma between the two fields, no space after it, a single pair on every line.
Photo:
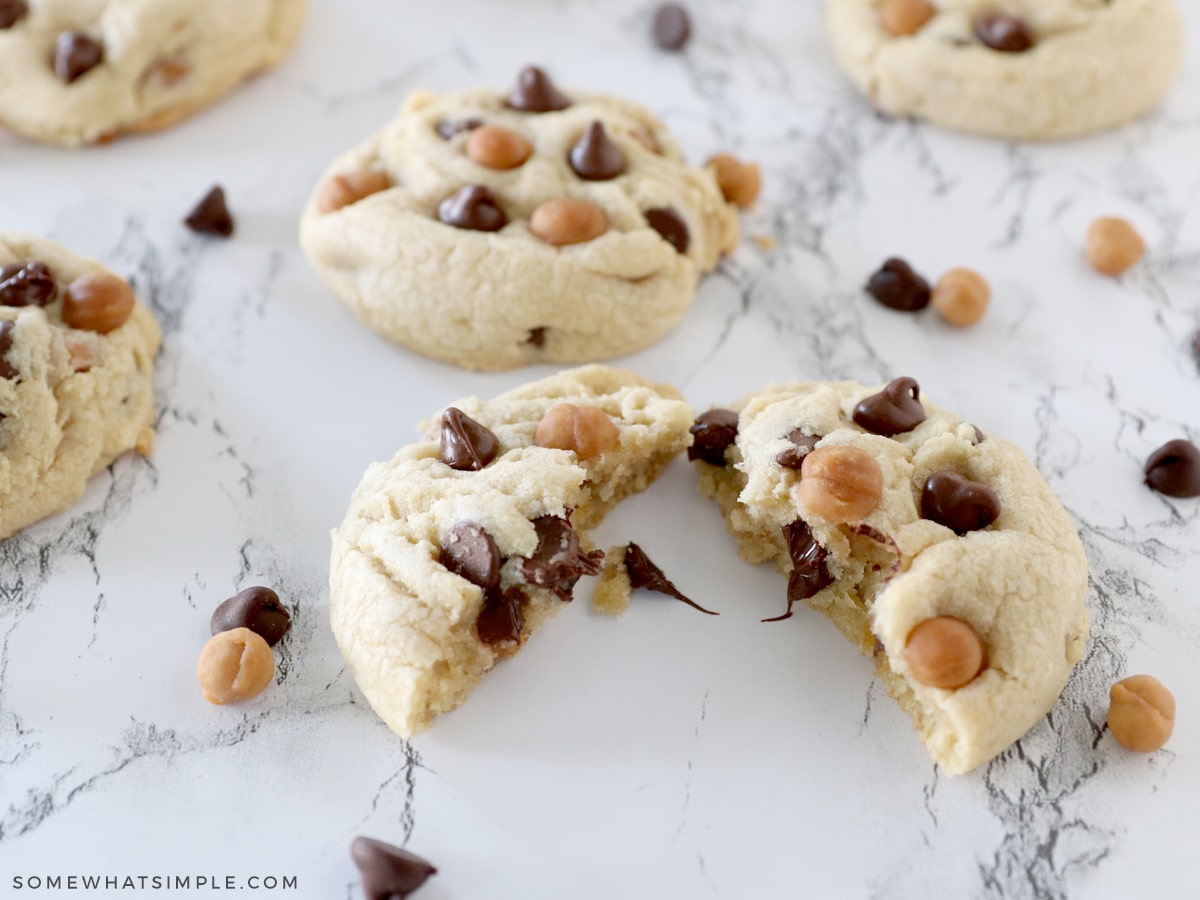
[71,400]
[412,631]
[1020,582]
[159,61]
[496,300]
[1094,64]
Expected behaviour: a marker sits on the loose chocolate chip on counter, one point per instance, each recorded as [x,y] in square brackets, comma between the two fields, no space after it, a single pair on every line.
[537,337]
[466,445]
[1174,469]
[559,561]
[28,284]
[809,572]
[1008,34]
[468,550]
[898,287]
[7,369]
[448,128]
[535,92]
[712,434]
[672,26]
[802,444]
[958,503]
[76,54]
[645,574]
[670,227]
[256,608]
[12,12]
[595,157]
[473,208]
[894,410]
[502,617]
[388,872]
[211,215]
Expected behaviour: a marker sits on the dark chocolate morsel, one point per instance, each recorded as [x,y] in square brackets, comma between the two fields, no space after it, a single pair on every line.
[502,617]
[670,227]
[1174,469]
[256,608]
[7,369]
[802,444]
[672,26]
[712,433]
[980,437]
[535,92]
[894,410]
[809,574]
[76,54]
[898,287]
[537,337]
[12,12]
[472,208]
[958,503]
[388,872]
[468,550]
[448,128]
[465,444]
[595,157]
[559,561]
[645,574]
[211,215]
[28,284]
[1005,33]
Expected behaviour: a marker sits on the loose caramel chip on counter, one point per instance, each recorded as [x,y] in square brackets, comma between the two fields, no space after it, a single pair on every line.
[962,296]
[1114,246]
[99,302]
[1141,713]
[739,182]
[234,666]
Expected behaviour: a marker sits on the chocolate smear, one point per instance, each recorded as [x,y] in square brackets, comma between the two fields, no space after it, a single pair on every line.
[502,617]
[559,561]
[645,574]
[809,574]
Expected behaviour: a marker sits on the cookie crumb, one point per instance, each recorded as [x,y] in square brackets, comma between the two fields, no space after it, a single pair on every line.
[145,442]
[614,590]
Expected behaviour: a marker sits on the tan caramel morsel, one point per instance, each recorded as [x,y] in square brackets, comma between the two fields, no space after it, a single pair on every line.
[235,665]
[1141,713]
[840,483]
[82,351]
[494,147]
[165,72]
[348,188]
[962,297]
[646,139]
[99,302]
[1113,246]
[585,429]
[901,18]
[944,652]
[740,182]
[565,220]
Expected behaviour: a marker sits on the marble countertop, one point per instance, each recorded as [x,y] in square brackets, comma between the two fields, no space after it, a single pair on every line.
[664,753]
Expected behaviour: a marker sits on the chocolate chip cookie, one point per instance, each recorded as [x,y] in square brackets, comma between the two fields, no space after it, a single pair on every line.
[937,549]
[496,229]
[454,552]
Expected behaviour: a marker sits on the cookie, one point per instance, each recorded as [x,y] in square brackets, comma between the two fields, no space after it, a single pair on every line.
[454,552]
[76,357]
[939,550]
[495,230]
[83,73]
[1010,68]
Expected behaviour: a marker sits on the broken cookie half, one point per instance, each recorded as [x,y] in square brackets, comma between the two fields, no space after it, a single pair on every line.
[454,552]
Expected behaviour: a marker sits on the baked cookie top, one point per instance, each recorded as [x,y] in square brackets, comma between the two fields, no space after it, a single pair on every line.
[84,71]
[495,229]
[76,357]
[888,513]
[1010,68]
[457,549]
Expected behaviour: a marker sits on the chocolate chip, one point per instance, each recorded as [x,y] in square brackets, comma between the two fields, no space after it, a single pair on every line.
[1005,33]
[388,872]
[473,208]
[958,503]
[12,12]
[980,437]
[211,215]
[256,608]
[502,617]
[76,54]
[7,370]
[537,337]
[465,444]
[535,92]
[645,574]
[809,575]
[898,287]
[670,227]
[1174,469]
[28,284]
[802,445]
[559,562]
[595,157]
[712,433]
[448,128]
[468,550]
[894,410]
[672,26]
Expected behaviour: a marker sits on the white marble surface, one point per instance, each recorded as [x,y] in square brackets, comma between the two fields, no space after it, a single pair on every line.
[665,754]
